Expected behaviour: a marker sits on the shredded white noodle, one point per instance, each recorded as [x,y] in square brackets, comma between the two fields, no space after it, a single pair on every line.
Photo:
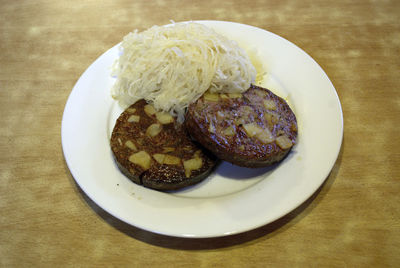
[173,66]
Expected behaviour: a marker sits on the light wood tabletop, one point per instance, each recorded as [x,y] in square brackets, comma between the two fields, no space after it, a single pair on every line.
[46,220]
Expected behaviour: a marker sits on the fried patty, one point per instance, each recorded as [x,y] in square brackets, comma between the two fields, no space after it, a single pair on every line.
[151,149]
[253,129]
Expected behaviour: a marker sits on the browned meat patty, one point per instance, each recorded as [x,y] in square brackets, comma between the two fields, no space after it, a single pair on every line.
[151,149]
[253,129]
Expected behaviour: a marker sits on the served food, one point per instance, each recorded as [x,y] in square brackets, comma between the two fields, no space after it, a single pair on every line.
[253,129]
[151,149]
[186,78]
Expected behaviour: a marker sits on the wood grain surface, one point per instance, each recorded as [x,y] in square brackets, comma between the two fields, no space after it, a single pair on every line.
[47,221]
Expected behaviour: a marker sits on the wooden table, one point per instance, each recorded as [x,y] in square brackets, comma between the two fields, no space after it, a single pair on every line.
[46,221]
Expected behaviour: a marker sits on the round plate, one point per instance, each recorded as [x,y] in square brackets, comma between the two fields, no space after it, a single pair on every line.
[232,199]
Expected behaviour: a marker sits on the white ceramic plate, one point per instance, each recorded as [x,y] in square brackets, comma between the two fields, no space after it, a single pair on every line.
[232,199]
